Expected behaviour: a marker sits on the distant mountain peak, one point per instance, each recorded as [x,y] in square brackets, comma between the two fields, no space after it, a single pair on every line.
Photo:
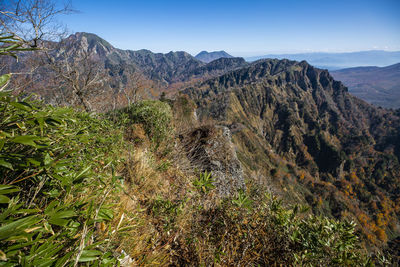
[207,57]
[91,39]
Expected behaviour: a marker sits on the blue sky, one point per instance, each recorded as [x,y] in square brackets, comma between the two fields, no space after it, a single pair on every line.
[242,28]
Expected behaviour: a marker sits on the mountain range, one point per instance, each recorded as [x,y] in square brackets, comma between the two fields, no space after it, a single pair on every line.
[122,69]
[163,68]
[377,85]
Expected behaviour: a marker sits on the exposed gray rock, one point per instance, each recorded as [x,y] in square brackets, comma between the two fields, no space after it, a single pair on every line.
[209,148]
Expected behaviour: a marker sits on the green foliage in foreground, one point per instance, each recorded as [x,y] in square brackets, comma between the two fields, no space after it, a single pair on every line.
[56,169]
[11,45]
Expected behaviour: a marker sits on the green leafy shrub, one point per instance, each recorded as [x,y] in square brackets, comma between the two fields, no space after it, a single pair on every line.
[242,200]
[268,234]
[57,174]
[155,116]
[204,183]
[316,240]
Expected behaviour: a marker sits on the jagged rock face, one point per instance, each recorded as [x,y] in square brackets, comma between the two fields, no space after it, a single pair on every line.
[166,68]
[88,42]
[209,148]
[298,119]
[290,103]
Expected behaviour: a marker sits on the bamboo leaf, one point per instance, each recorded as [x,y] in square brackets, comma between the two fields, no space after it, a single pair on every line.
[58,221]
[14,228]
[4,79]
[106,214]
[4,199]
[89,255]
[59,218]
[87,259]
[22,106]
[6,164]
[26,140]
[82,175]
[2,142]
[64,260]
[7,189]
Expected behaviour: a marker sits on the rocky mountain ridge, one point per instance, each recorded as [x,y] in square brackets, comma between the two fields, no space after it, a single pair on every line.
[166,68]
[142,70]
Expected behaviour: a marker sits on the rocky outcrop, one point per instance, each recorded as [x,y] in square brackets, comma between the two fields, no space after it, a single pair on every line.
[209,148]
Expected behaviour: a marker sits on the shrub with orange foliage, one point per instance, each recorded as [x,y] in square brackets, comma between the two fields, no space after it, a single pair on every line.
[354,178]
[380,233]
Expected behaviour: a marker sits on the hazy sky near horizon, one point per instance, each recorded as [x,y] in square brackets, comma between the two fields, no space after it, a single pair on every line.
[242,28]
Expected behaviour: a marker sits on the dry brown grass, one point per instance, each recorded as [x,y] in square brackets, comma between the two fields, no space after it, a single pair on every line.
[163,219]
[199,229]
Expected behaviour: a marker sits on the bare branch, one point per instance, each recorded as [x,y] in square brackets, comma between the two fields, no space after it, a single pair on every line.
[77,73]
[33,21]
